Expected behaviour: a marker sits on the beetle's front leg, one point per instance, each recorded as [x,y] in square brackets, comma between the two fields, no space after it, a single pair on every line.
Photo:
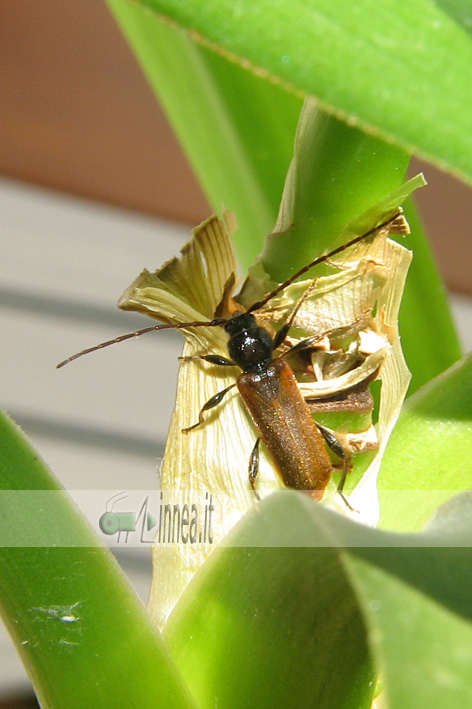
[214,401]
[212,359]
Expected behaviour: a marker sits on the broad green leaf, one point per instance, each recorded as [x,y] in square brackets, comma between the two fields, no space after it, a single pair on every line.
[337,174]
[428,457]
[238,130]
[459,10]
[273,627]
[283,598]
[421,647]
[385,66]
[83,636]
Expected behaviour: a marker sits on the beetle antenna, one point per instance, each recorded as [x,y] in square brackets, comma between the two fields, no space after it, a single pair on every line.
[129,335]
[321,259]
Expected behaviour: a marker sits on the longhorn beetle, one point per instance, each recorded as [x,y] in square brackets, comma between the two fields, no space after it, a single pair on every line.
[267,384]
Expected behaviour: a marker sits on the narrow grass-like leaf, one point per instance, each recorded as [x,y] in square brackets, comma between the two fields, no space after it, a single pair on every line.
[387,66]
[429,338]
[236,128]
[84,637]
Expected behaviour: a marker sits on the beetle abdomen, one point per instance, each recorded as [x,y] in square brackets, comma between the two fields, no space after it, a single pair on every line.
[283,419]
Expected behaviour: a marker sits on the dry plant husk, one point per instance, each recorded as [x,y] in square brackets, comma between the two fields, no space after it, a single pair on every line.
[213,458]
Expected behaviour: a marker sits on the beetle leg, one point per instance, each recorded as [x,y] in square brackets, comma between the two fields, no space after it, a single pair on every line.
[335,445]
[314,339]
[254,467]
[280,335]
[213,359]
[214,401]
[304,344]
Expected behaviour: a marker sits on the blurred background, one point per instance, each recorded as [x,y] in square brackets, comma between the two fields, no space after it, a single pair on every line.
[87,159]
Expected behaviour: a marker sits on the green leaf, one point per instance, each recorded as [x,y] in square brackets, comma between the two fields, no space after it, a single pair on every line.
[236,128]
[386,66]
[283,599]
[429,338]
[420,645]
[272,627]
[83,636]
[337,174]
[460,11]
[429,452]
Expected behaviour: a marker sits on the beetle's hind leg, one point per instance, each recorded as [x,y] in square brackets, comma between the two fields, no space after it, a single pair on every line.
[338,449]
[254,467]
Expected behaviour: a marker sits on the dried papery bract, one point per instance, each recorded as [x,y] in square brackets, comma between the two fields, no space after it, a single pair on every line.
[371,280]
[213,459]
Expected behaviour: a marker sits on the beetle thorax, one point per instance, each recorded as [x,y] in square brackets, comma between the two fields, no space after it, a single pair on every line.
[250,346]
